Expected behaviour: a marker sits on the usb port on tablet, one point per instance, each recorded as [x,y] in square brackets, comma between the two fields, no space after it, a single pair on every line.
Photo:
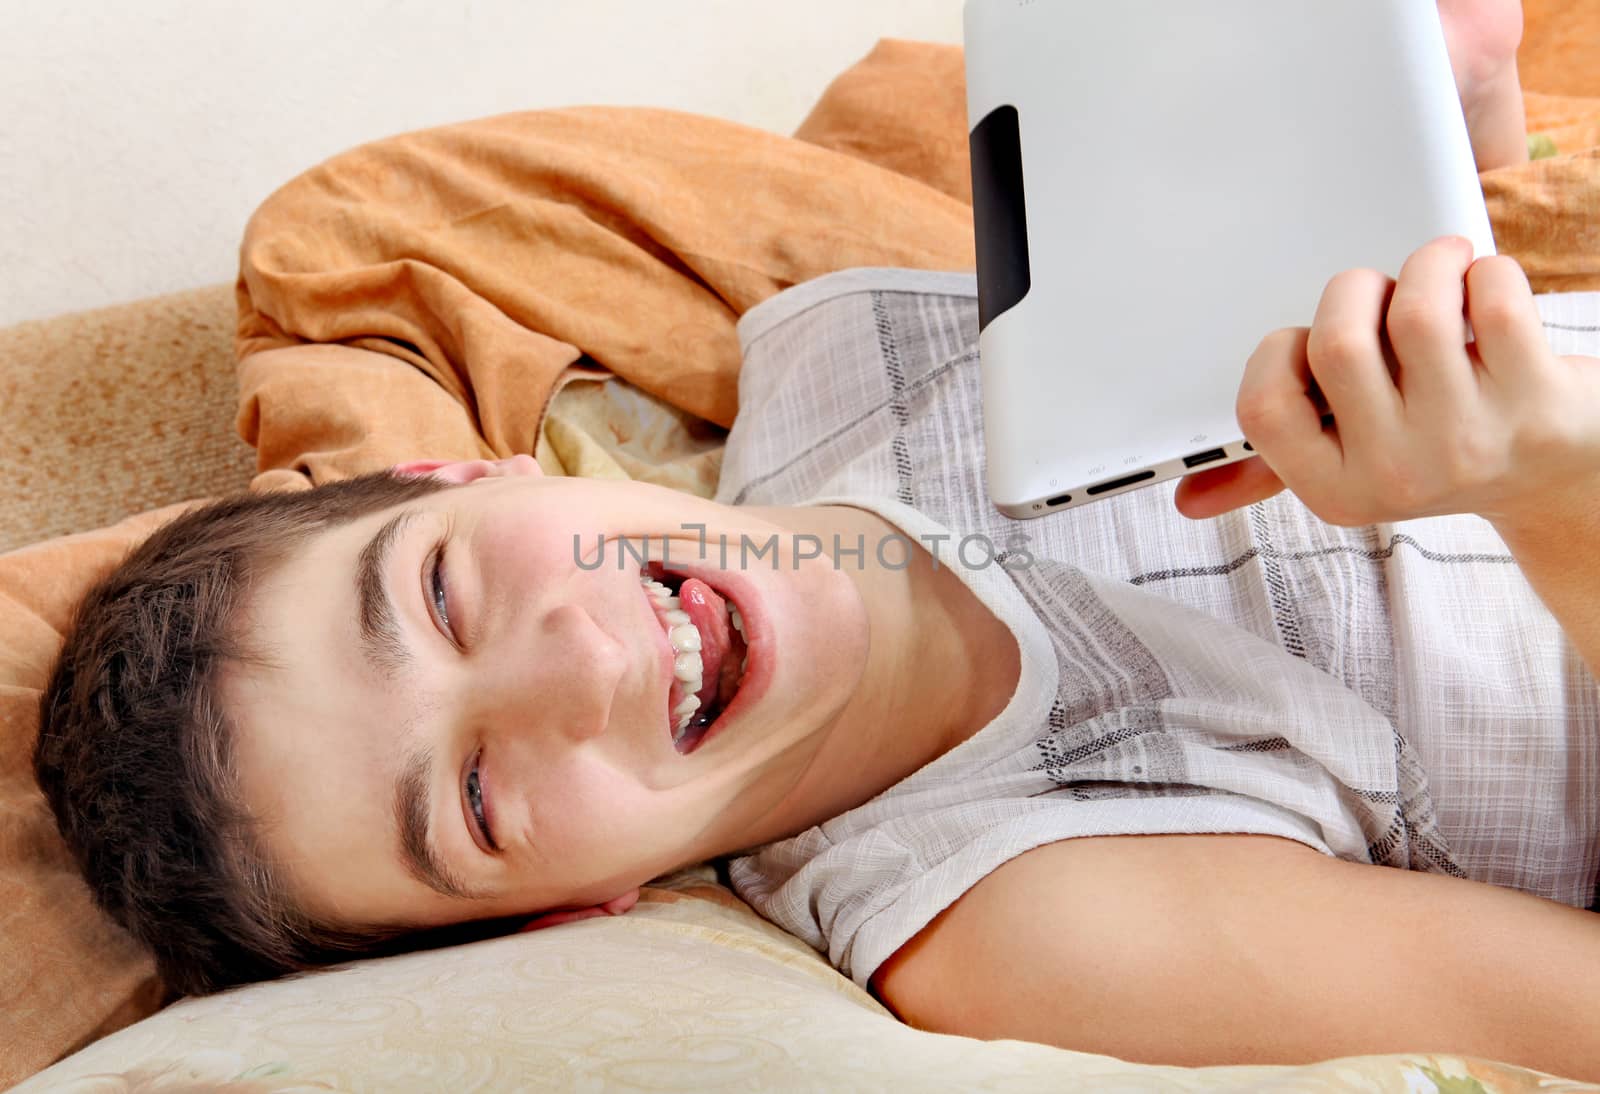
[1209,456]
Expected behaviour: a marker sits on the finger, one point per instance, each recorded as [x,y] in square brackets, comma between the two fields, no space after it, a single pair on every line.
[1348,359]
[1505,321]
[1281,419]
[1223,489]
[617,905]
[555,919]
[1427,327]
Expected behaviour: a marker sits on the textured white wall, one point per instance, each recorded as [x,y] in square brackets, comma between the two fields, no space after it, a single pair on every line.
[136,138]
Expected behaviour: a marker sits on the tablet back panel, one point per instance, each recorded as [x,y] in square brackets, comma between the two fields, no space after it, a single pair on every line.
[1160,183]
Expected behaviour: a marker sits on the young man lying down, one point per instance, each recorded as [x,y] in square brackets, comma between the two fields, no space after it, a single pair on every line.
[1115,780]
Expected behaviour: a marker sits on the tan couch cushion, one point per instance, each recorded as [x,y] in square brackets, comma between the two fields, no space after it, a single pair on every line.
[116,411]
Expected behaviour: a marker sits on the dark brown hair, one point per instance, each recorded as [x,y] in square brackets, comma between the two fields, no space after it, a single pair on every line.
[134,751]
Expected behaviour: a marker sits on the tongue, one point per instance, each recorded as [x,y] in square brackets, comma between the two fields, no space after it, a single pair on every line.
[710,618]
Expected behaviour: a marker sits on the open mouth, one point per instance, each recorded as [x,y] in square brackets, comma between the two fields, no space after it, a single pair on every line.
[710,654]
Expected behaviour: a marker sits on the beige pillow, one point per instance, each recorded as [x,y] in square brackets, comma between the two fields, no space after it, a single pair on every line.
[688,991]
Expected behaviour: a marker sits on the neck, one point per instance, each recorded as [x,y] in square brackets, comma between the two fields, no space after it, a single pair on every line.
[939,668]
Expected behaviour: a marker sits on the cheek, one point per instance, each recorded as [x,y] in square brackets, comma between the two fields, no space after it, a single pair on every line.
[596,819]
[524,550]
[830,633]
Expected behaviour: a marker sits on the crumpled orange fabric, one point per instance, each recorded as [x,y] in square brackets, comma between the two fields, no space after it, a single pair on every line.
[477,262]
[1546,213]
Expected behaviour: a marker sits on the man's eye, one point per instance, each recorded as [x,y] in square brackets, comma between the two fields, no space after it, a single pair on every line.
[437,594]
[475,803]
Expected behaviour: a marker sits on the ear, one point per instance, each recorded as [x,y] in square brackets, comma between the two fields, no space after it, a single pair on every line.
[461,472]
[614,906]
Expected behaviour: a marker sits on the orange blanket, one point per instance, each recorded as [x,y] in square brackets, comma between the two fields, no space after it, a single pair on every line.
[492,256]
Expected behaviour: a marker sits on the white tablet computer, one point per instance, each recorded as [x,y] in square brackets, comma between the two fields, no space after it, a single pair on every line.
[1157,184]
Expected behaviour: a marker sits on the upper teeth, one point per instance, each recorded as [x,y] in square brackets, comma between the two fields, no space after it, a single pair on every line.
[687,664]
[738,625]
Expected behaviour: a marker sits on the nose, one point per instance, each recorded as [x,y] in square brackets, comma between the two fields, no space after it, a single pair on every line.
[560,683]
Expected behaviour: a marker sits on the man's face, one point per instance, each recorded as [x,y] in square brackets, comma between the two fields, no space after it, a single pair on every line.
[510,695]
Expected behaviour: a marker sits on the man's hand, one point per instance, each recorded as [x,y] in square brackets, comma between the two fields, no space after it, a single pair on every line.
[1422,421]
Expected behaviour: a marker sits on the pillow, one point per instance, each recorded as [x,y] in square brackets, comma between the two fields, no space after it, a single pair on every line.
[690,990]
[81,976]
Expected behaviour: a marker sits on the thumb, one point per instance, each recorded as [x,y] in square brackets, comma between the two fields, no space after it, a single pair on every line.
[1220,490]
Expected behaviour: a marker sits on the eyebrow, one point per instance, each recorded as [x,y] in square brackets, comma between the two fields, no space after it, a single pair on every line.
[380,629]
[411,812]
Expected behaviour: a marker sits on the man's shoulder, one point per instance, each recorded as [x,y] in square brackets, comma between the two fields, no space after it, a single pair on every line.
[845,384]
